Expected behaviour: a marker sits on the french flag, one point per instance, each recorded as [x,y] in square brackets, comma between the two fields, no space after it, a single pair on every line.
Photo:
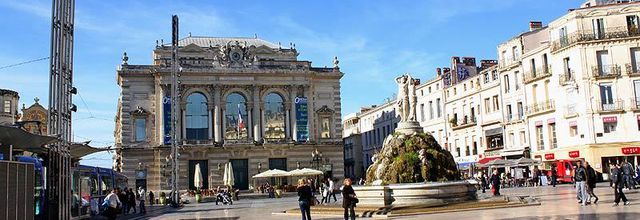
[240,120]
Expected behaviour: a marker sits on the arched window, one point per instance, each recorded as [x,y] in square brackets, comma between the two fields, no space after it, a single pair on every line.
[197,117]
[274,117]
[236,116]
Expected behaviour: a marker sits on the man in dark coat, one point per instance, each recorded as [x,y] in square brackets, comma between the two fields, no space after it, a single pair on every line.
[627,175]
[495,182]
[591,181]
[580,177]
[554,175]
[122,196]
[618,184]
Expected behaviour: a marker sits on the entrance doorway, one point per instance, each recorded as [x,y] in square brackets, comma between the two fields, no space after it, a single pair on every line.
[240,173]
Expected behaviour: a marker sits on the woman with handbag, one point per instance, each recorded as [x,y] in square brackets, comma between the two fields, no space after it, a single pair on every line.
[304,198]
[349,200]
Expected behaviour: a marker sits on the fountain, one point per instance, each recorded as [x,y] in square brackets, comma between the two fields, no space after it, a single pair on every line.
[412,169]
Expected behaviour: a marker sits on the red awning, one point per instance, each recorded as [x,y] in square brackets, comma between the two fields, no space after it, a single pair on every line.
[487,159]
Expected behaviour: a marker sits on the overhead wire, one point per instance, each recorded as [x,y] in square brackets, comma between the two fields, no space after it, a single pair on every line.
[23,63]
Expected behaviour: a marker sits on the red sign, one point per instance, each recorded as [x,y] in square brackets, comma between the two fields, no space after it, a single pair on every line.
[631,150]
[551,121]
[538,123]
[549,156]
[610,119]
[574,154]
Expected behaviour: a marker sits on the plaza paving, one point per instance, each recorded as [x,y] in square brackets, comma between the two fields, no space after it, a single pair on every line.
[557,203]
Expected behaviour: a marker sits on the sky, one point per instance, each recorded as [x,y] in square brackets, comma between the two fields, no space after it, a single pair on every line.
[375,41]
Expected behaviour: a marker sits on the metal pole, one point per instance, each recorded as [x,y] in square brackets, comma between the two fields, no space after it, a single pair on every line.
[175,193]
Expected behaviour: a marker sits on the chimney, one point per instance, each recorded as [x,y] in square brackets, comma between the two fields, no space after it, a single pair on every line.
[535,25]
[438,71]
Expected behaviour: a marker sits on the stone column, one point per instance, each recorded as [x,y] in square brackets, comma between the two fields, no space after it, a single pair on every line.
[210,124]
[183,121]
[292,120]
[249,123]
[287,135]
[216,114]
[224,122]
[256,114]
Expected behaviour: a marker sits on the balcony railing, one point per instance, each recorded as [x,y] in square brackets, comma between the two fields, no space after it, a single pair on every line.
[538,73]
[611,106]
[541,107]
[590,35]
[567,78]
[508,62]
[633,69]
[465,122]
[199,142]
[635,104]
[605,71]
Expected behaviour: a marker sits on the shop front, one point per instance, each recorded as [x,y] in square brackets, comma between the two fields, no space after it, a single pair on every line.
[600,156]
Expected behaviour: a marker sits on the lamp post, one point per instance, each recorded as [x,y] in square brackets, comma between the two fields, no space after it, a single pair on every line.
[316,159]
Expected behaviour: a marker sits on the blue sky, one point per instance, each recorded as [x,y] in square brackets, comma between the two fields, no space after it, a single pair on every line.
[374,40]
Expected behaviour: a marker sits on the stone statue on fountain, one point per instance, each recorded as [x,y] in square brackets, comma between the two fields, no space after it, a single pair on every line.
[407,101]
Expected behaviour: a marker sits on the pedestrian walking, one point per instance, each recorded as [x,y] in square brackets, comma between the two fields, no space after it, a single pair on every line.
[332,190]
[122,196]
[111,204]
[143,195]
[536,176]
[325,192]
[580,177]
[618,184]
[495,183]
[554,175]
[483,182]
[349,200]
[131,201]
[304,198]
[592,179]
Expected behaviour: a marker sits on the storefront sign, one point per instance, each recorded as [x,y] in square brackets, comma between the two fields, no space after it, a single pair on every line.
[574,154]
[538,123]
[631,150]
[610,119]
[573,123]
[467,159]
[551,121]
[166,119]
[491,153]
[549,156]
[302,119]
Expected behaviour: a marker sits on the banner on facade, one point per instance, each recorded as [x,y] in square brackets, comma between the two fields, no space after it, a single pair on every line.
[574,154]
[631,150]
[549,156]
[610,119]
[302,120]
[166,119]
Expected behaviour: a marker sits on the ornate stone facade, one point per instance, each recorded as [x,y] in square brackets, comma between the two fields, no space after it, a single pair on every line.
[240,100]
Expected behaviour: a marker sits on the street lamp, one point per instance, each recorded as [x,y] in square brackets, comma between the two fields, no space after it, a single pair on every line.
[316,158]
[259,166]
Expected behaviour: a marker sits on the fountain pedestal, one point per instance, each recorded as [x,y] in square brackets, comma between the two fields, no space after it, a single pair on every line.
[415,194]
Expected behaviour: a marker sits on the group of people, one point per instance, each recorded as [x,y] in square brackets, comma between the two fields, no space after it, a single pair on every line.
[121,201]
[306,197]
[585,179]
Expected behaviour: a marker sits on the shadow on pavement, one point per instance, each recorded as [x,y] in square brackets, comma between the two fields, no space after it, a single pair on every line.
[612,216]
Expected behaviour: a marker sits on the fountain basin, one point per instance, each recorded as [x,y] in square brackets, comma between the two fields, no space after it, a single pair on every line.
[416,194]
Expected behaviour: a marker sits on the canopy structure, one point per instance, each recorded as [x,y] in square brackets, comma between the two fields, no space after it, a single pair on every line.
[524,162]
[21,140]
[496,163]
[228,179]
[79,150]
[305,172]
[272,173]
[197,177]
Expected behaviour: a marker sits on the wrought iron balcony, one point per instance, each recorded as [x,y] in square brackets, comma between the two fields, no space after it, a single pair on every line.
[464,123]
[605,71]
[538,73]
[617,105]
[635,104]
[589,35]
[633,69]
[541,107]
[567,78]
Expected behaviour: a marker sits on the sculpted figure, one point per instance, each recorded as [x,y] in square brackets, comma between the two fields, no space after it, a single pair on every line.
[403,97]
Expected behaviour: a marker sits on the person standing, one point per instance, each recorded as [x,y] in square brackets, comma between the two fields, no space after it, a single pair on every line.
[483,181]
[349,199]
[150,197]
[495,183]
[143,195]
[536,176]
[580,177]
[112,202]
[122,196]
[332,190]
[304,197]
[627,173]
[325,193]
[554,175]
[131,201]
[591,181]
[618,184]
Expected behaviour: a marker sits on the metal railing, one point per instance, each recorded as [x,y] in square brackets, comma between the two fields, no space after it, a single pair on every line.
[635,103]
[537,73]
[198,142]
[567,78]
[539,107]
[465,122]
[590,35]
[611,106]
[605,71]
[633,68]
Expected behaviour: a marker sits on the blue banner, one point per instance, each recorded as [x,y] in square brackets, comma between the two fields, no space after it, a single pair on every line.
[302,119]
[166,116]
